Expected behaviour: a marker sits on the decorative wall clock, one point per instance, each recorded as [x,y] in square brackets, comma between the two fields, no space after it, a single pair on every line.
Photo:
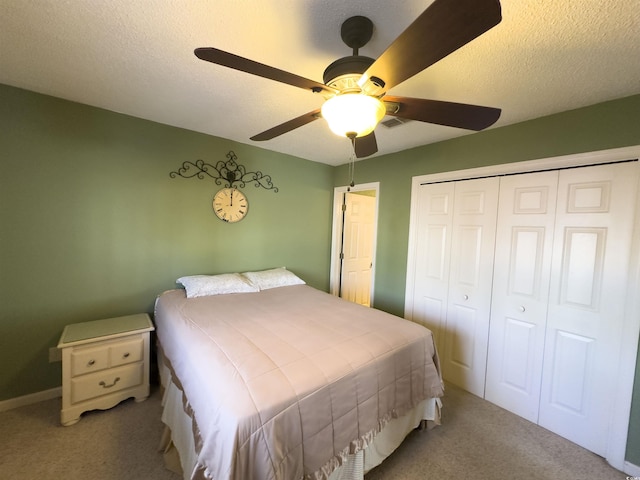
[229,203]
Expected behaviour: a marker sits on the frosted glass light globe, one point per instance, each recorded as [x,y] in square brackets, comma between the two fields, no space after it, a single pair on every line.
[353,113]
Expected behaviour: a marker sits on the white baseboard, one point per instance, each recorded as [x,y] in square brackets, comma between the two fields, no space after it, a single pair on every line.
[30,399]
[632,470]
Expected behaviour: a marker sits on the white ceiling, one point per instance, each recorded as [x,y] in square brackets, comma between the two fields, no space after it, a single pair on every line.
[136,57]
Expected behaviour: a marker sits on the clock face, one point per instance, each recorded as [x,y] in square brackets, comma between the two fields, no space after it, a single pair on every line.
[230,205]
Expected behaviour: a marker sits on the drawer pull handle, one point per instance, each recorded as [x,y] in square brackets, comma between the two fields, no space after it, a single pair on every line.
[126,355]
[91,363]
[104,385]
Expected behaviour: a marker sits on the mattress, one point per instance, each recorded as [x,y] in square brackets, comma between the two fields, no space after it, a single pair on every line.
[290,382]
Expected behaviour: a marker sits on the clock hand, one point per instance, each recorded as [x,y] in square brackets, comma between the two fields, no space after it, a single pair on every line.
[231,204]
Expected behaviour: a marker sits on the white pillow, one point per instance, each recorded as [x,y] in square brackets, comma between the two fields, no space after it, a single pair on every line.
[203,285]
[276,277]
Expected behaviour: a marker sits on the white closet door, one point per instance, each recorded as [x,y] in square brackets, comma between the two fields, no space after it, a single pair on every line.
[591,254]
[471,270]
[526,217]
[431,283]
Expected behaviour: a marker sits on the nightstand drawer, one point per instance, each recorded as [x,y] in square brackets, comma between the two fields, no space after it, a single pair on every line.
[86,360]
[103,383]
[126,352]
[112,353]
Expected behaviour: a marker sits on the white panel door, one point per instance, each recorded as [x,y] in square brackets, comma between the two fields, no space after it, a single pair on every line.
[591,256]
[431,284]
[464,358]
[358,248]
[526,217]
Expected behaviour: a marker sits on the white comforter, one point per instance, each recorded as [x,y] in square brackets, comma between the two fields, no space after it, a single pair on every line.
[284,383]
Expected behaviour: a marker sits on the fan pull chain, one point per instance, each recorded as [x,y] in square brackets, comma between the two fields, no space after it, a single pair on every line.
[352,164]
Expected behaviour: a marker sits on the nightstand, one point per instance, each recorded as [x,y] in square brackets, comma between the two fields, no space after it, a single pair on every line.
[103,363]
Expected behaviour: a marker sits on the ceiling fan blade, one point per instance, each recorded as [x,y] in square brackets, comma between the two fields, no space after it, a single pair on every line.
[460,115]
[442,28]
[365,146]
[242,64]
[287,126]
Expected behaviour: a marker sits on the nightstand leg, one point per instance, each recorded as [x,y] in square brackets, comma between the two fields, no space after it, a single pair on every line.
[66,421]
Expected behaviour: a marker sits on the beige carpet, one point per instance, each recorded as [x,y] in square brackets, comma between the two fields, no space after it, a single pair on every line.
[480,441]
[116,444]
[477,441]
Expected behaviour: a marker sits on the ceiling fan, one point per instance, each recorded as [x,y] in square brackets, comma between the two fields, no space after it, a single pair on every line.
[356,86]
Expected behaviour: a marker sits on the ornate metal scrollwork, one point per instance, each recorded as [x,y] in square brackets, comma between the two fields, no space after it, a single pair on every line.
[229,173]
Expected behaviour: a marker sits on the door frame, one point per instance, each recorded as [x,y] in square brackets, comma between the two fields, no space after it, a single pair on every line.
[337,231]
[622,396]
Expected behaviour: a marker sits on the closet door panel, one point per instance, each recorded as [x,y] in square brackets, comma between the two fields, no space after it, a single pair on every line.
[591,255]
[524,237]
[469,299]
[435,220]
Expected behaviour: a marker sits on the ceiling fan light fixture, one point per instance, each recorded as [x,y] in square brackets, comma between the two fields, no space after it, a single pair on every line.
[353,113]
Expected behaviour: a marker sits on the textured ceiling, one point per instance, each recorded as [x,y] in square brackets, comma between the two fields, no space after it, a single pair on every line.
[136,57]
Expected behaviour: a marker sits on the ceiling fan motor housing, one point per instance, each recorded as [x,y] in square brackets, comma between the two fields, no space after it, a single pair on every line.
[344,73]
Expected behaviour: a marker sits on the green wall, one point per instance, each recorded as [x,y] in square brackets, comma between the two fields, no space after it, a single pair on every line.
[92,226]
[607,125]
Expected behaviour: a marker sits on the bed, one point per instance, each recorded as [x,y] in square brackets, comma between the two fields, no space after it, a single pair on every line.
[276,380]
